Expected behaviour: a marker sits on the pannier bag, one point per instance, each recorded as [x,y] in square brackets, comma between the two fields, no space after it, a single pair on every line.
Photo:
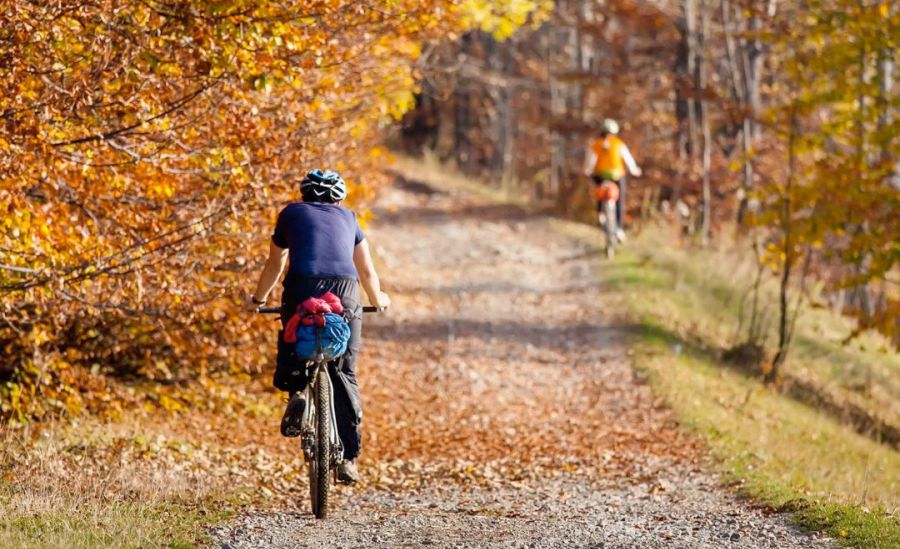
[607,191]
[316,323]
[328,330]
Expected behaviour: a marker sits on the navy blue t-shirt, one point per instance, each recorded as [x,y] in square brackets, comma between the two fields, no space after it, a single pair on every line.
[320,237]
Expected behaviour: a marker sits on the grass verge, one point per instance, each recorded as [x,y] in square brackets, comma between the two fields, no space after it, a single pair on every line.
[72,521]
[151,480]
[99,485]
[781,452]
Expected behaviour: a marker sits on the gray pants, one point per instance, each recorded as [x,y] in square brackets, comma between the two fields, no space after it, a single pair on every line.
[290,371]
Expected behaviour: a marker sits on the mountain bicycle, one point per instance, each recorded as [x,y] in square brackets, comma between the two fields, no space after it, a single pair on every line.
[319,440]
[606,193]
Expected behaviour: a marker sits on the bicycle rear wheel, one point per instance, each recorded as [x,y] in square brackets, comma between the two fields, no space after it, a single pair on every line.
[322,461]
[312,461]
[609,208]
[314,485]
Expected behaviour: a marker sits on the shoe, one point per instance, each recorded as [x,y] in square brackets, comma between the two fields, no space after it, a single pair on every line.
[293,416]
[347,473]
[620,235]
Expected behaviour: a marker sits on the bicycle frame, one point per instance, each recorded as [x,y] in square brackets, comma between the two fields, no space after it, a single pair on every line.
[606,193]
[311,440]
[309,417]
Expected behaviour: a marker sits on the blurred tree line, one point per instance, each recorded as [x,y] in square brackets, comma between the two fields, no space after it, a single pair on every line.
[779,118]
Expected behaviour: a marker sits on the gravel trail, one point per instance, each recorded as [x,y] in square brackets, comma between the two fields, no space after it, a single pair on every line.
[500,407]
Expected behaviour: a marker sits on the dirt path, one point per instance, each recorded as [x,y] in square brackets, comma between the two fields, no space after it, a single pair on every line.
[500,409]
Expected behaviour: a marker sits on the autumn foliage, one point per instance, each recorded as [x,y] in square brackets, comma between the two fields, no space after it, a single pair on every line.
[145,147]
[777,119]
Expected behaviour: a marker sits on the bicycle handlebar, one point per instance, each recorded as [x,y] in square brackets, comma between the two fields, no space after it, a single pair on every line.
[277,310]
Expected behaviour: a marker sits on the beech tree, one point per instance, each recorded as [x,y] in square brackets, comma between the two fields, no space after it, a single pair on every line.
[145,145]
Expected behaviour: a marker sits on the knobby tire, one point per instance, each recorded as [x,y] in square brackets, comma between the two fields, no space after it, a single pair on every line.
[313,479]
[323,443]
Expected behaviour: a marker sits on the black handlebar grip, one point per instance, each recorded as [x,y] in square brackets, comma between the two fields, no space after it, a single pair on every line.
[277,310]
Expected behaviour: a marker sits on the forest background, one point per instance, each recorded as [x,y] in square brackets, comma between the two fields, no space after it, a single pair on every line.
[778,119]
[144,144]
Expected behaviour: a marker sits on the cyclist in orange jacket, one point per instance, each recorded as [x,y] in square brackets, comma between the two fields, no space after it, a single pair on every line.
[606,159]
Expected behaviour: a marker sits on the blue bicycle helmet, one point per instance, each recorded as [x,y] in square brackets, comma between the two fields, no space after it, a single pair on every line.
[323,186]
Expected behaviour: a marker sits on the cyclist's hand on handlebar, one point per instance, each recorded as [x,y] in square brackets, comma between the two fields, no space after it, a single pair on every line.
[250,305]
[639,172]
[383,301]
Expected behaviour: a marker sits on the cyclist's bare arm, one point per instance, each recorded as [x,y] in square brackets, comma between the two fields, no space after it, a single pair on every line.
[362,258]
[590,160]
[275,264]
[629,162]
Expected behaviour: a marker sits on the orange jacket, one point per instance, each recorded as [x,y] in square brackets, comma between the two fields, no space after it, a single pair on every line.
[610,163]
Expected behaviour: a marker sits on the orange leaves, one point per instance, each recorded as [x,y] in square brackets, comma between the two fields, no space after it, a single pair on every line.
[143,145]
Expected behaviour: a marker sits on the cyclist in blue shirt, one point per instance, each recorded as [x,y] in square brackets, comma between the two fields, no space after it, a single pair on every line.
[326,250]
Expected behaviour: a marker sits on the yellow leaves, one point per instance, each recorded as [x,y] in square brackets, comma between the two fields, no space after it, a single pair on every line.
[262,83]
[142,15]
[409,48]
[170,404]
[39,336]
[380,154]
[220,7]
[112,86]
[163,124]
[502,18]
[162,189]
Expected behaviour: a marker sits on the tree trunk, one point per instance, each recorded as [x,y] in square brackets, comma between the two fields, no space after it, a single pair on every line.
[786,221]
[741,90]
[509,127]
[685,109]
[752,56]
[446,130]
[886,86]
[704,123]
[690,15]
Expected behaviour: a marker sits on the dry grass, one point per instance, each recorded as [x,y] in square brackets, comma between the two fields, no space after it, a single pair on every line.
[684,304]
[429,170]
[687,302]
[699,293]
[62,489]
[153,481]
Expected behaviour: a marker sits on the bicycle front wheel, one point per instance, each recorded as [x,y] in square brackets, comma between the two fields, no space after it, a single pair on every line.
[322,461]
